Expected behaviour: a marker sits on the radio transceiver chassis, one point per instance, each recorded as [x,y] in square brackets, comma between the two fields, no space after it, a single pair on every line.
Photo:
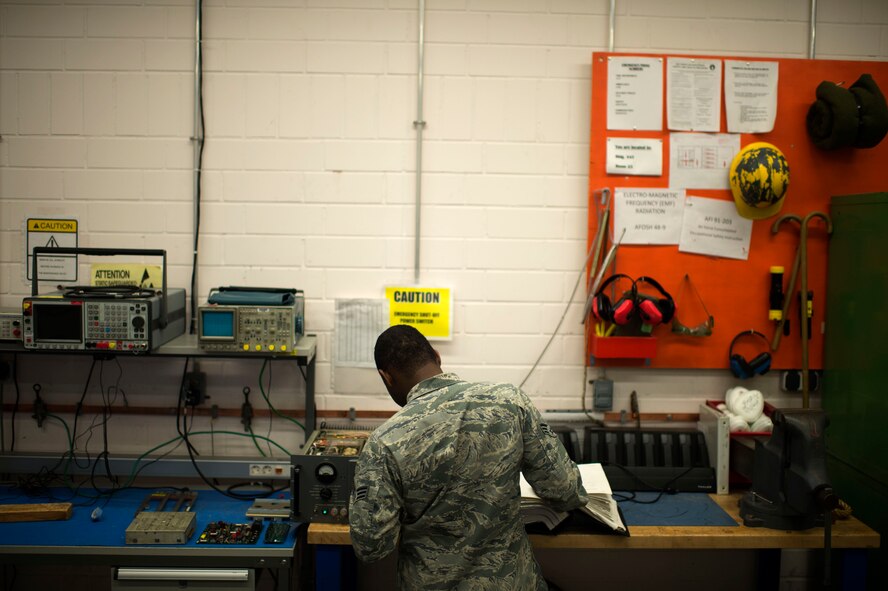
[123,318]
[125,324]
[323,475]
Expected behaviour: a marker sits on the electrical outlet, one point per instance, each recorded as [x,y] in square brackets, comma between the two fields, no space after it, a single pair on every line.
[270,470]
[791,380]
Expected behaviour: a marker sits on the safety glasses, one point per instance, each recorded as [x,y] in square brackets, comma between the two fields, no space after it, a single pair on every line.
[704,329]
[701,330]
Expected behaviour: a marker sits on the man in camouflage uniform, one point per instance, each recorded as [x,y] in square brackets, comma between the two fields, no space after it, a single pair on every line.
[439,480]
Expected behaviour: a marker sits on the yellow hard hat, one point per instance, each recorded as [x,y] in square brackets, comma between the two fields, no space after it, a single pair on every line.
[759,177]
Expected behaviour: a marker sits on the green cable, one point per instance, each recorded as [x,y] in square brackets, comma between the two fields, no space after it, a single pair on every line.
[65,425]
[267,401]
[256,443]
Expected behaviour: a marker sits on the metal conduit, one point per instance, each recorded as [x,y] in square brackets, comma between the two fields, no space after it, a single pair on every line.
[612,21]
[198,139]
[419,125]
[813,26]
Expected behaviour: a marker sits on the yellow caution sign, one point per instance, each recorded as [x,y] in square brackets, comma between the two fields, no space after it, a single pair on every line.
[134,274]
[51,233]
[428,309]
[38,225]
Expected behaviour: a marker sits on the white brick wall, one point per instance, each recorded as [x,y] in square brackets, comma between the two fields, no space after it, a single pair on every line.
[308,167]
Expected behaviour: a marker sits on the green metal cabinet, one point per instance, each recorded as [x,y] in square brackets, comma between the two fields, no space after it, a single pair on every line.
[855,378]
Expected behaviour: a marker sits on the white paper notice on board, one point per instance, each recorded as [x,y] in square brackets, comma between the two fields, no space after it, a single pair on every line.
[750,96]
[713,227]
[635,93]
[634,156]
[701,160]
[693,94]
[649,216]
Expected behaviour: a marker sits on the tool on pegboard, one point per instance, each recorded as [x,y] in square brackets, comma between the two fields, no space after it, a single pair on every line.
[775,295]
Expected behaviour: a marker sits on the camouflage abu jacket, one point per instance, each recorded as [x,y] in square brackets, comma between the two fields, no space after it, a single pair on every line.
[439,483]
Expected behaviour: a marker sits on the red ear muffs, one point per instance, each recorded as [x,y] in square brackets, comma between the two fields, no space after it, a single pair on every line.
[620,312]
[653,310]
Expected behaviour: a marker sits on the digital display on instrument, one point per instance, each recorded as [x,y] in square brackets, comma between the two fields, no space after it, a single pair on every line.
[217,324]
[58,322]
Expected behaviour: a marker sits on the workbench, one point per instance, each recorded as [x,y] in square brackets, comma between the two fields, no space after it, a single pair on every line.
[82,541]
[851,536]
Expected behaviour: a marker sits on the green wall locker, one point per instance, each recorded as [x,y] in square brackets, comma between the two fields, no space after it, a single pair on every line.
[855,378]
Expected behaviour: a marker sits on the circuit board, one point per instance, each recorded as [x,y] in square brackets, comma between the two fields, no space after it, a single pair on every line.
[276,532]
[161,527]
[222,532]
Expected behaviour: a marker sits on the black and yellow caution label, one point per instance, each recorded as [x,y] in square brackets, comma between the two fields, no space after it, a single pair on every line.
[42,225]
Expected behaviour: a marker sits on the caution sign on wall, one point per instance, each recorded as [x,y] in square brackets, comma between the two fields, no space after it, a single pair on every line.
[428,309]
[51,233]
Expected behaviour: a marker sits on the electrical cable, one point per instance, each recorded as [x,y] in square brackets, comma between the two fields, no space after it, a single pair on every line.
[665,489]
[107,402]
[134,472]
[270,405]
[256,443]
[271,416]
[68,437]
[266,485]
[78,410]
[596,422]
[192,451]
[16,405]
[201,134]
[561,320]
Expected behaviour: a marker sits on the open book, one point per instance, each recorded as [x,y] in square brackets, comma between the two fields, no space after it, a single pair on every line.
[601,506]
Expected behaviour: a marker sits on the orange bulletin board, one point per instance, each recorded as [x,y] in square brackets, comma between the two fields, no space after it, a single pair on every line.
[736,292]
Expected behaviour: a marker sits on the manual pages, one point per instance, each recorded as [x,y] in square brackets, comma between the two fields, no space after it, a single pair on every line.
[601,506]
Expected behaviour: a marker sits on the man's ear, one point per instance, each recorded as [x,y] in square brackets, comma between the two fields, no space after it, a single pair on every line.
[386,378]
[437,357]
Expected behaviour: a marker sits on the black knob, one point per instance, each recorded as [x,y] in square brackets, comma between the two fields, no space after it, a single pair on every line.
[326,494]
[138,322]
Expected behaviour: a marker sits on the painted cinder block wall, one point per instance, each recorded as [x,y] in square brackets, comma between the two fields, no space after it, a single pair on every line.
[308,174]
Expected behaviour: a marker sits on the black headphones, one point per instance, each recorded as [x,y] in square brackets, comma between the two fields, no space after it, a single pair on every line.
[653,310]
[759,365]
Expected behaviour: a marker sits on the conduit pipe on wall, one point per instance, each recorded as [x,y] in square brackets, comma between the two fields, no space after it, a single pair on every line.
[419,125]
[612,20]
[812,29]
[197,142]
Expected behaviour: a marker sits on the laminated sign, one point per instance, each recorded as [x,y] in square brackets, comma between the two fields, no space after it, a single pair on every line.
[428,309]
[51,233]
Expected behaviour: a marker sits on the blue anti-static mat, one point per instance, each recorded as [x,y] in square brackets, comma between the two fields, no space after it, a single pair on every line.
[675,509]
[117,513]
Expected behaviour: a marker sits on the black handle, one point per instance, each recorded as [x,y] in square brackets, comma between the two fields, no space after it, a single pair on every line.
[38,250]
[294,490]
